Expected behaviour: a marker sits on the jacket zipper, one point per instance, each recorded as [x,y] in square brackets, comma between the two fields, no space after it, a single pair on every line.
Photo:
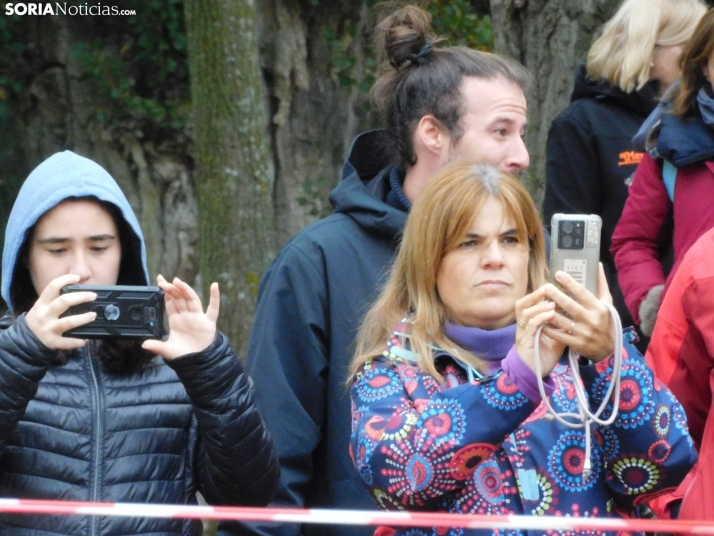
[94,388]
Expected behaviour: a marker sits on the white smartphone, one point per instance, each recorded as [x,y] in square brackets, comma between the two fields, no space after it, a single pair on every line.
[575,248]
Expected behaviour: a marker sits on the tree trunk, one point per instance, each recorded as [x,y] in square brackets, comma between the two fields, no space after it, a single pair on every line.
[312,59]
[549,37]
[233,176]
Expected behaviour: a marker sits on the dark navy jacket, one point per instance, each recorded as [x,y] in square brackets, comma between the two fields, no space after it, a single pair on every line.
[79,432]
[311,302]
[590,159]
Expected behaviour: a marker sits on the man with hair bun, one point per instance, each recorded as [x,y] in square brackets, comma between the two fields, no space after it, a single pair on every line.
[440,104]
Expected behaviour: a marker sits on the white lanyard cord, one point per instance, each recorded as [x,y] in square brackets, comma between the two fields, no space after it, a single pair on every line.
[584,418]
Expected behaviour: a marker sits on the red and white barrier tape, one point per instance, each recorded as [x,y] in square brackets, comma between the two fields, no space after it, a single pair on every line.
[354,517]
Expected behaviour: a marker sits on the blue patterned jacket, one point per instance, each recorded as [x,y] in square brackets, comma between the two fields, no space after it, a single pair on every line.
[485,448]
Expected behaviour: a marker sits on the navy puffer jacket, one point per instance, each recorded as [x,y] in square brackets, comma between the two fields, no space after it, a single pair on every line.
[79,432]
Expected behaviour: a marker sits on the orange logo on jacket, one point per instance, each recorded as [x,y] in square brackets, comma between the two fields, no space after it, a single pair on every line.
[630,158]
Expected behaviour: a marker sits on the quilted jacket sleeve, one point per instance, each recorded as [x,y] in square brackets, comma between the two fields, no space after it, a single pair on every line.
[235,462]
[634,242]
[647,448]
[406,433]
[23,363]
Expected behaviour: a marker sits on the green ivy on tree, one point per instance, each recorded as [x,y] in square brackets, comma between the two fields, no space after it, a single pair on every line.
[461,25]
[139,69]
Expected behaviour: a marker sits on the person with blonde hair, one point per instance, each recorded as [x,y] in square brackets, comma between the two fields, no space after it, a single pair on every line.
[447,413]
[590,155]
[642,42]
[682,348]
[674,178]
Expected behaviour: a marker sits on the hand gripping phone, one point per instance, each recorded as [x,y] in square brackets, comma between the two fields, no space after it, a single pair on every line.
[575,248]
[123,312]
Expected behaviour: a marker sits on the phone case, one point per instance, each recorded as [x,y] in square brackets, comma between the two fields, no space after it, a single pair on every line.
[123,312]
[575,248]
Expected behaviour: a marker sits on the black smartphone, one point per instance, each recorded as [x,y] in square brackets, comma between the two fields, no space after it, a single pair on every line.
[575,248]
[123,312]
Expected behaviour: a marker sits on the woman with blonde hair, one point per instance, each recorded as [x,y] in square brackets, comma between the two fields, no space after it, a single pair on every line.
[590,155]
[674,178]
[446,404]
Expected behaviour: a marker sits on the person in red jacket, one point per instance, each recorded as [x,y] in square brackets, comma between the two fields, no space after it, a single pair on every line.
[676,176]
[681,353]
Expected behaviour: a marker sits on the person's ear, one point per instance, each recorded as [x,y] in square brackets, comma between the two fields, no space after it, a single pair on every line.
[431,135]
[705,70]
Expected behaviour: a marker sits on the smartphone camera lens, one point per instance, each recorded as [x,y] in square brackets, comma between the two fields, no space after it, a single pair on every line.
[111,312]
[135,314]
[570,234]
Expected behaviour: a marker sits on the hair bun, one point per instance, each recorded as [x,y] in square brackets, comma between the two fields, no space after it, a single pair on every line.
[405,36]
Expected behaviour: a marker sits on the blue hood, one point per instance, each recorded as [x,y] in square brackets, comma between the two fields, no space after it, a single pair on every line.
[61,176]
[684,141]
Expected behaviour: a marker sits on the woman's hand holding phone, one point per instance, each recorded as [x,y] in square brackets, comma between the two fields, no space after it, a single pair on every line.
[190,328]
[533,311]
[44,317]
[582,321]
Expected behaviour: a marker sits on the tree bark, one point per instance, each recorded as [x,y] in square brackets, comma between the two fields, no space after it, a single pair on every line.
[549,37]
[233,176]
[314,103]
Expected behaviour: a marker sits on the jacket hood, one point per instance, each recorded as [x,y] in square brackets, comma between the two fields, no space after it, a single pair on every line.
[60,177]
[361,194]
[641,102]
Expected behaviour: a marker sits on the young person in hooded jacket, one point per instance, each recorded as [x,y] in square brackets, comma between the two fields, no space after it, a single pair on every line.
[448,414]
[113,421]
[675,177]
[590,155]
[440,104]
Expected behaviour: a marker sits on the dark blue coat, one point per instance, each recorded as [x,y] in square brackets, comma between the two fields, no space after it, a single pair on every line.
[79,432]
[311,302]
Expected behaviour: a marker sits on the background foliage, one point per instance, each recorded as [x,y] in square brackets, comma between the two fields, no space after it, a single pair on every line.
[136,66]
